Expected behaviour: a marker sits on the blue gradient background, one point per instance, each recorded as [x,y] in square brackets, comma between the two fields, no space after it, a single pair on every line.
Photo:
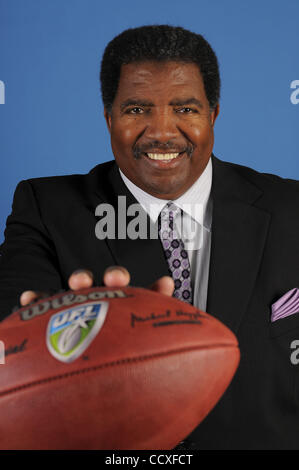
[50,50]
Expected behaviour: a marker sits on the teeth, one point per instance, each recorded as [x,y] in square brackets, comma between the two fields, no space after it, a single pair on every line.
[162,156]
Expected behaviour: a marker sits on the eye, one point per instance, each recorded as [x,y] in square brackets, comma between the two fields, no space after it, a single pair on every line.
[135,110]
[187,110]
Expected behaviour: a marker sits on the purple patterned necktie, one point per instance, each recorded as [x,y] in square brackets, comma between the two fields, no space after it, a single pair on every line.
[175,253]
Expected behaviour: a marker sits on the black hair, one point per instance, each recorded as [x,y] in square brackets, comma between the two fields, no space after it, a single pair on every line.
[158,43]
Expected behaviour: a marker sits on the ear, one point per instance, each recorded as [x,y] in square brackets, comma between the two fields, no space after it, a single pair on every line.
[108,119]
[214,114]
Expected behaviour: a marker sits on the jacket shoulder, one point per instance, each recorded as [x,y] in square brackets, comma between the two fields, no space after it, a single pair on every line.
[276,191]
[99,172]
[263,178]
[67,187]
[61,194]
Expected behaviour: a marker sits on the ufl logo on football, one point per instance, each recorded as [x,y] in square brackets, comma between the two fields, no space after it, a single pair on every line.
[71,331]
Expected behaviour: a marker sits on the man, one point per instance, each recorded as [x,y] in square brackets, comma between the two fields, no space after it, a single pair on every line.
[160,88]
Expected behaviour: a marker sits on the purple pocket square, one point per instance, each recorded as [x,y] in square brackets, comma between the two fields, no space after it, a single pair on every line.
[287,305]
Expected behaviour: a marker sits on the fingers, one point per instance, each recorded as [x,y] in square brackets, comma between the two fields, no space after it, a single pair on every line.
[80,279]
[164,285]
[116,276]
[29,296]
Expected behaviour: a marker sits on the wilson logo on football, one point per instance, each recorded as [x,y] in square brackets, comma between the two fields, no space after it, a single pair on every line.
[71,331]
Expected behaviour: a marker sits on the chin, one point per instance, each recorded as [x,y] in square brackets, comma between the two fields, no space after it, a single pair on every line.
[164,192]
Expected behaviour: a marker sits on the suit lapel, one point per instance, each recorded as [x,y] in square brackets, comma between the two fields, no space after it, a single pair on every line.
[144,258]
[239,233]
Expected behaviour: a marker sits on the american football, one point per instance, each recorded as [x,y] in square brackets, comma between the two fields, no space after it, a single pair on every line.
[103,368]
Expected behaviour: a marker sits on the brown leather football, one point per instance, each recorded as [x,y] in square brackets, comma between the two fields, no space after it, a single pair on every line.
[105,368]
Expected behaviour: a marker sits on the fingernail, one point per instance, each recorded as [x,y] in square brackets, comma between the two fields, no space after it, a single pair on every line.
[116,268]
[83,271]
[114,271]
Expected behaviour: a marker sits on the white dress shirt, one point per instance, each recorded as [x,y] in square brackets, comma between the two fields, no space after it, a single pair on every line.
[195,229]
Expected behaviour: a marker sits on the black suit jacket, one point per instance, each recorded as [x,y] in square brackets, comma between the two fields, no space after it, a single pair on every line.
[254,261]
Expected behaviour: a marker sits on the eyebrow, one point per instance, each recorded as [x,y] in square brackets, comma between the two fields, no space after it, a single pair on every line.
[135,102]
[174,102]
[179,102]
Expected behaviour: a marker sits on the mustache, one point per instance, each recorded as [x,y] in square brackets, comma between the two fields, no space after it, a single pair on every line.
[138,150]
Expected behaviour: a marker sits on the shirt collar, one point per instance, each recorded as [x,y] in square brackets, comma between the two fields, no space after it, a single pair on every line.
[198,193]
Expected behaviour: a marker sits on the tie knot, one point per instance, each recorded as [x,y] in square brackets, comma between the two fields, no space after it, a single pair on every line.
[167,220]
[170,210]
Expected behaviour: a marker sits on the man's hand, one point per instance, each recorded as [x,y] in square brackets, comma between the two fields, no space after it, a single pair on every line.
[115,276]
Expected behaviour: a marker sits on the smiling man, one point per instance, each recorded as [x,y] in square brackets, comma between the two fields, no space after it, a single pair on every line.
[161,126]
[161,89]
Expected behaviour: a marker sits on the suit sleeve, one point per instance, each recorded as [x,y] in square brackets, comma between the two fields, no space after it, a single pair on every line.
[28,258]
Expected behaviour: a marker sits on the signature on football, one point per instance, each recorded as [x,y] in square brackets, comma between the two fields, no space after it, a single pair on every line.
[169,317]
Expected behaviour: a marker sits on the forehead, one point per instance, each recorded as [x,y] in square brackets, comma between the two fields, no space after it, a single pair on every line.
[160,78]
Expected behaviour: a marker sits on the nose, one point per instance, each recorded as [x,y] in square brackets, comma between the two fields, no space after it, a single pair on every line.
[161,126]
